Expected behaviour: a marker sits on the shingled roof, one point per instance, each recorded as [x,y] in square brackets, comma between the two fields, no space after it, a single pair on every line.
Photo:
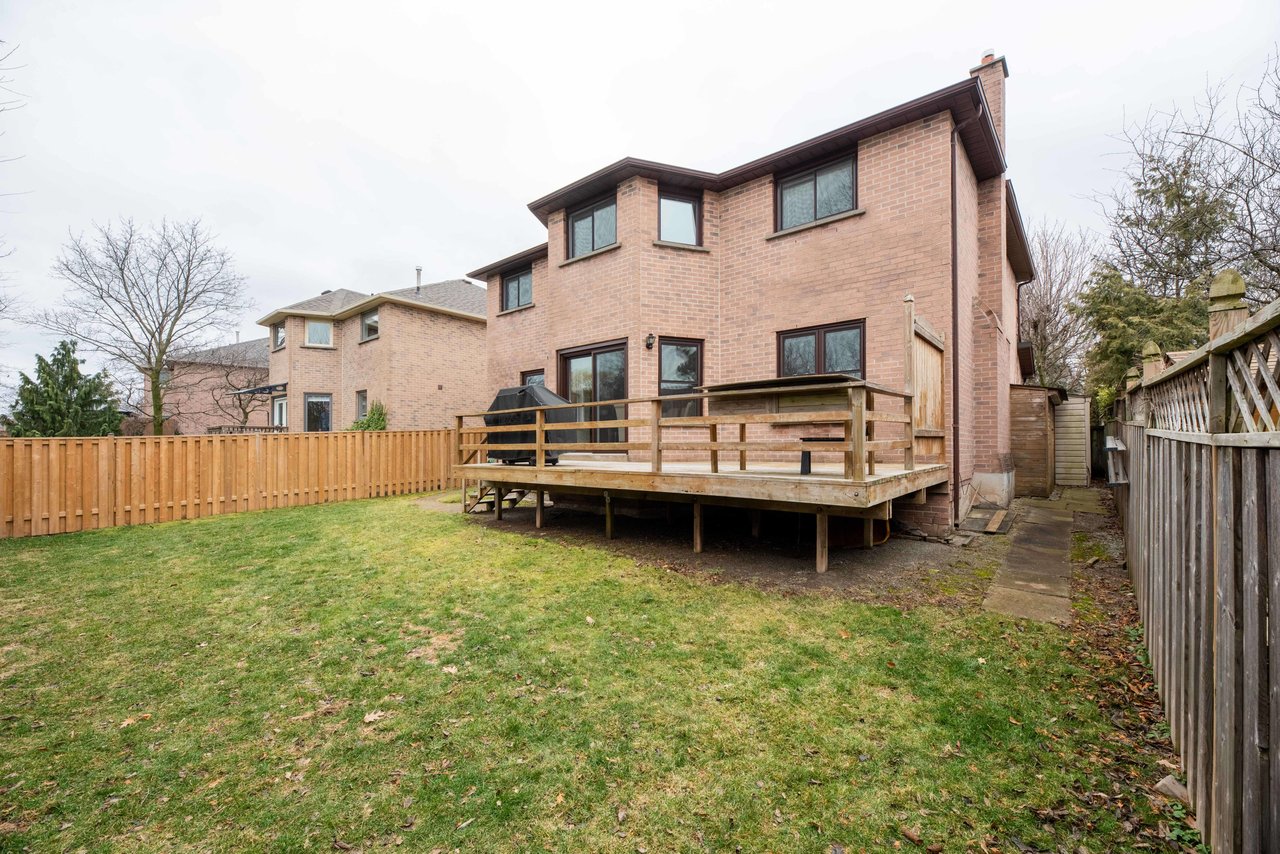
[453,296]
[245,354]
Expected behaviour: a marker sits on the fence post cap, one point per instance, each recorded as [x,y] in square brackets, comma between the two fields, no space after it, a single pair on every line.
[1151,352]
[1226,291]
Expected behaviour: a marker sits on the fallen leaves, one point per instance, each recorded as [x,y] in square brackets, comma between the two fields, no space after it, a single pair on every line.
[374,716]
[128,722]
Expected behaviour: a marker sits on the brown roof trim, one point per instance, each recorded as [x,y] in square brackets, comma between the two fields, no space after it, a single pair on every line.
[520,259]
[961,99]
[373,301]
[1017,246]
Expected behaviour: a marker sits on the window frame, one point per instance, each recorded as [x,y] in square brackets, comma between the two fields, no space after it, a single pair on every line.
[819,347]
[306,333]
[502,292]
[692,196]
[364,324]
[668,409]
[811,171]
[524,376]
[306,402]
[592,206]
[280,402]
[279,336]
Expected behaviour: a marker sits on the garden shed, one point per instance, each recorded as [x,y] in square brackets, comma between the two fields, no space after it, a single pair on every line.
[1071,448]
[1033,438]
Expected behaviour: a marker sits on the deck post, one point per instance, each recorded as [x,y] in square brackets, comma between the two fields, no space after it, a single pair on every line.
[868,533]
[608,516]
[742,439]
[755,524]
[871,431]
[457,441]
[856,458]
[537,508]
[697,527]
[655,438]
[540,438]
[715,454]
[497,502]
[823,539]
[909,382]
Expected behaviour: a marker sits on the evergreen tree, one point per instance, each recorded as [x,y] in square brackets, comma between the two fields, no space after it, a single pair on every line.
[62,400]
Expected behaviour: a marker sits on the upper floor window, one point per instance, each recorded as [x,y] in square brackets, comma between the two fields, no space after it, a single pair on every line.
[817,193]
[277,336]
[679,218]
[538,377]
[319,333]
[593,227]
[517,290]
[369,325]
[839,348]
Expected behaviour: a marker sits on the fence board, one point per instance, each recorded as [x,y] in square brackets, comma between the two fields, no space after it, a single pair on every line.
[50,486]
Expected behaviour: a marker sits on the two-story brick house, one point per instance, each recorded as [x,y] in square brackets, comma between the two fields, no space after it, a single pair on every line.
[658,278]
[415,350]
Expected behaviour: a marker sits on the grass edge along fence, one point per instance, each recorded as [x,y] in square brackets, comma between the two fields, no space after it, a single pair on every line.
[1195,463]
[60,485]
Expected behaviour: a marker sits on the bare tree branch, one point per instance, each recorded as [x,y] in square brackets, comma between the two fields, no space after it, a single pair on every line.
[146,298]
[1059,337]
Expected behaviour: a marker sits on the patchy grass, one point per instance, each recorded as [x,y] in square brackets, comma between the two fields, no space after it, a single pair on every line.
[1085,546]
[367,673]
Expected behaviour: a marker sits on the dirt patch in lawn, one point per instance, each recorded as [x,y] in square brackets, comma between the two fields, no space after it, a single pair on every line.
[905,573]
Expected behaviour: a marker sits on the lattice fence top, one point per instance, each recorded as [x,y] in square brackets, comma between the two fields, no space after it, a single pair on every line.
[1253,377]
[1181,403]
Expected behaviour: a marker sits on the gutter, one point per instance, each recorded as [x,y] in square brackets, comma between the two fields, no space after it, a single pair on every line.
[955,323]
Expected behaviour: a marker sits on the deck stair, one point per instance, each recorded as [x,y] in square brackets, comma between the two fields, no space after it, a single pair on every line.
[483,499]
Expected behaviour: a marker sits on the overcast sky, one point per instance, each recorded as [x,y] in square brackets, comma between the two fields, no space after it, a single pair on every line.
[341,144]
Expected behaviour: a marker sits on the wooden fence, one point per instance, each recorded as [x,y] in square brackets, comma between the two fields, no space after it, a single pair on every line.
[53,486]
[1200,451]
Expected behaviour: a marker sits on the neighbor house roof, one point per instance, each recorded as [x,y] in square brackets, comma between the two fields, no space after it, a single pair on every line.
[245,354]
[964,100]
[456,297]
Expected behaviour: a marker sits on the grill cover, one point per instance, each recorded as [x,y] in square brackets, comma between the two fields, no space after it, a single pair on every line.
[519,397]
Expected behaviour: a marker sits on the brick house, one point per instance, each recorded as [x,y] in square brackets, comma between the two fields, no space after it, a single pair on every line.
[413,349]
[658,278]
[199,390]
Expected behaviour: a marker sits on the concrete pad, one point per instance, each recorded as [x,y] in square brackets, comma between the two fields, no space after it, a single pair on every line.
[1029,605]
[1060,587]
[1087,523]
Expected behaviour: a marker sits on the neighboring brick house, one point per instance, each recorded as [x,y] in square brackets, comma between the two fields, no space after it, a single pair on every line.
[793,263]
[416,350]
[199,389]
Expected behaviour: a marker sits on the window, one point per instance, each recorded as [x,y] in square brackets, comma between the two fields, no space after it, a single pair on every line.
[166,376]
[679,218]
[679,372]
[818,193]
[319,333]
[595,373]
[369,325]
[538,377]
[517,290]
[277,336]
[593,227]
[836,349]
[319,412]
[279,411]
[362,404]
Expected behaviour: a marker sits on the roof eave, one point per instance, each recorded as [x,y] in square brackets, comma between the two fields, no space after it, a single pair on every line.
[527,256]
[1017,244]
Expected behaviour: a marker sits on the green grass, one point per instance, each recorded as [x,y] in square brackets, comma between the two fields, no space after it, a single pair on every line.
[1084,547]
[216,685]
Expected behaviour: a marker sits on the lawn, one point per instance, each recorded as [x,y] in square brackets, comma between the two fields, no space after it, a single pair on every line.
[370,674]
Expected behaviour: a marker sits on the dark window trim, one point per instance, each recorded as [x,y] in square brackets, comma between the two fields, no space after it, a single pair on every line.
[683,196]
[700,343]
[502,289]
[781,178]
[819,349]
[590,206]
[524,376]
[307,394]
[562,376]
[374,336]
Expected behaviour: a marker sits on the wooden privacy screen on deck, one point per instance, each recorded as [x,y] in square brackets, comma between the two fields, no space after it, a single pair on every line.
[52,486]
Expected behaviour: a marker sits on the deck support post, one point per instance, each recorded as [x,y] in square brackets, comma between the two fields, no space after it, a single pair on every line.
[540,438]
[823,540]
[755,524]
[538,508]
[498,496]
[608,516]
[868,533]
[909,382]
[655,438]
[697,527]
[715,455]
[856,458]
[742,439]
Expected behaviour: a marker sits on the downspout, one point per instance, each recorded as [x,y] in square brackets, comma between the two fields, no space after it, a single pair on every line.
[955,326]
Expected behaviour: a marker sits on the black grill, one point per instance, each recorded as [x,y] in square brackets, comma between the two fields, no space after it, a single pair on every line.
[520,397]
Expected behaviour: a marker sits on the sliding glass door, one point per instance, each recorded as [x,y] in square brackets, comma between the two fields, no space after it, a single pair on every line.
[596,373]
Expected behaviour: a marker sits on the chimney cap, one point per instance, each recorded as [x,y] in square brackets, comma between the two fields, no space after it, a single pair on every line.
[989,58]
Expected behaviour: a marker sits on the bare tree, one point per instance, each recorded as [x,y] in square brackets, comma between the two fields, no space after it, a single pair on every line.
[145,298]
[1064,259]
[1202,192]
[10,99]
[204,384]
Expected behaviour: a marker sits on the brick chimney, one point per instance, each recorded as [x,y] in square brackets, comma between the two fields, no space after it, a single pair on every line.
[992,71]
[1227,309]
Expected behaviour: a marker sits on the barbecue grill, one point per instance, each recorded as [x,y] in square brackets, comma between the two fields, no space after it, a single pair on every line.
[521,397]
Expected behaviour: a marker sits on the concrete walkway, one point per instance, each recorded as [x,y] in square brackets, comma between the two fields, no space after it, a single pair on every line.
[1035,581]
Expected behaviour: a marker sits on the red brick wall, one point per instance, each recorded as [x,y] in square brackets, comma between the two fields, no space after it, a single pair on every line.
[198,397]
